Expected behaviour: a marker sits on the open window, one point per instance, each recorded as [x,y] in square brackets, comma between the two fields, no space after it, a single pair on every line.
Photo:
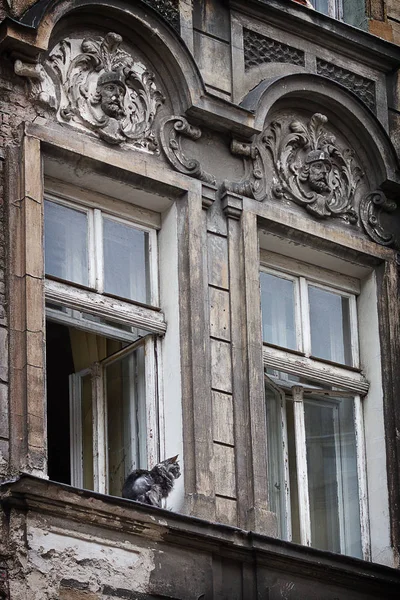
[314,390]
[103,327]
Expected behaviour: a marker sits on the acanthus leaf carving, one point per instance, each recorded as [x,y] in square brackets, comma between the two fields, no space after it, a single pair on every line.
[101,88]
[371,208]
[252,184]
[311,169]
[172,130]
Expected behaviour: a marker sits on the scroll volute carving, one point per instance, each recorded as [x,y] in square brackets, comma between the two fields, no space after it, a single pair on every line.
[311,169]
[96,85]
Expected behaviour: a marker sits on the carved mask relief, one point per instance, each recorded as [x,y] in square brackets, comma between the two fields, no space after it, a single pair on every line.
[311,168]
[96,84]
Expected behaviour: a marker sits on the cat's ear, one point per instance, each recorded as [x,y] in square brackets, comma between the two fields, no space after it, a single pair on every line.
[172,459]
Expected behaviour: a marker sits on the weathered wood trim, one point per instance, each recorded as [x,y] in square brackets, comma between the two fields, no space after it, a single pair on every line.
[260,518]
[389,328]
[195,357]
[124,312]
[28,443]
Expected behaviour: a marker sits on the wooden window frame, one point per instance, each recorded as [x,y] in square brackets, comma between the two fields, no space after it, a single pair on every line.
[346,381]
[128,312]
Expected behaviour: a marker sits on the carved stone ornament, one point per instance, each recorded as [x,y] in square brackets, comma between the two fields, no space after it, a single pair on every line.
[101,88]
[172,130]
[371,208]
[311,169]
[253,182]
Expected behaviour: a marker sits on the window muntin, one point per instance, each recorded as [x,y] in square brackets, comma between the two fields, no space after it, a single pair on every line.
[89,247]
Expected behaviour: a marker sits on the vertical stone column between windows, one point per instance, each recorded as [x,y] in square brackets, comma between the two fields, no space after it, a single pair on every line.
[196,384]
[28,443]
[221,369]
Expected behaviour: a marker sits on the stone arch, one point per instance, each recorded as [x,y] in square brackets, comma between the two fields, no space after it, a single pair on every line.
[156,38]
[345,111]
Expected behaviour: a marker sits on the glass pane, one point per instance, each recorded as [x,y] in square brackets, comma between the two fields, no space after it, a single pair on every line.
[321,6]
[66,243]
[278,311]
[126,268]
[332,476]
[125,399]
[87,432]
[330,325]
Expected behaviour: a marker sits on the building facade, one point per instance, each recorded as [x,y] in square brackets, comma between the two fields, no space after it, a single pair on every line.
[199,256]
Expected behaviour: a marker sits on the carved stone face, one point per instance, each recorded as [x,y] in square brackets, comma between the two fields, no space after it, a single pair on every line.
[112,95]
[318,176]
[315,172]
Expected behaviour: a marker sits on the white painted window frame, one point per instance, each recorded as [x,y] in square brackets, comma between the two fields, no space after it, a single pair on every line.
[76,300]
[95,243]
[335,9]
[345,381]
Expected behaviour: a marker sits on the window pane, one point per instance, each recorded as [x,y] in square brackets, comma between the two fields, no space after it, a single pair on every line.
[125,398]
[87,432]
[330,325]
[66,243]
[321,6]
[276,476]
[126,268]
[332,476]
[278,311]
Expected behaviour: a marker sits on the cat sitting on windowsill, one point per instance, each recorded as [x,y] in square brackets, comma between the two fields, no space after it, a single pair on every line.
[150,487]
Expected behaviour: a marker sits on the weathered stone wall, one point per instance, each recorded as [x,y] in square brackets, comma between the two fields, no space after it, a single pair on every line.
[15,108]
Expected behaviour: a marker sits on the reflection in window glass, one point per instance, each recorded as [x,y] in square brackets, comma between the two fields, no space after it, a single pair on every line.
[126,269]
[332,476]
[278,311]
[66,243]
[330,325]
[125,400]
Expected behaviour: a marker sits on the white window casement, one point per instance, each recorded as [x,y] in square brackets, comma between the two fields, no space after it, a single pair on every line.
[332,8]
[314,392]
[103,325]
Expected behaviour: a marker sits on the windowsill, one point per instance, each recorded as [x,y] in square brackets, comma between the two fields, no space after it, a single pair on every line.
[38,497]
[79,286]
[276,347]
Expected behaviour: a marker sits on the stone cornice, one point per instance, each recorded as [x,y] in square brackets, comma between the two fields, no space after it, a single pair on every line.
[35,496]
[315,27]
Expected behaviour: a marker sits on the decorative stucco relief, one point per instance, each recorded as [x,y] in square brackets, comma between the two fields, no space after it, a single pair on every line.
[172,130]
[311,169]
[95,85]
[253,182]
[361,86]
[259,49]
[372,206]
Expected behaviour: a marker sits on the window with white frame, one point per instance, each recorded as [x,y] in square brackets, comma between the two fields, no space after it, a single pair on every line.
[314,390]
[333,8]
[103,323]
